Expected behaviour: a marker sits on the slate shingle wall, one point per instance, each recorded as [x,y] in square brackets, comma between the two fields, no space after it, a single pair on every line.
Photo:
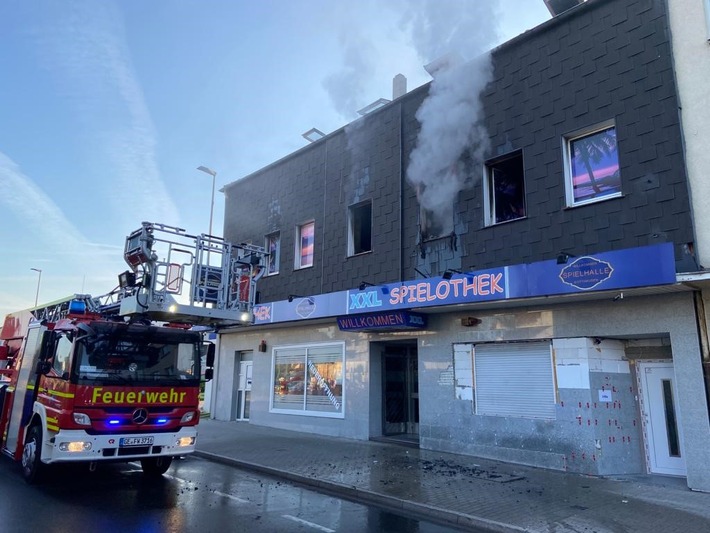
[609,59]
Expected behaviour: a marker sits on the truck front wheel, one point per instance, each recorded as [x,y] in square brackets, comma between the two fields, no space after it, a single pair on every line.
[32,466]
[156,466]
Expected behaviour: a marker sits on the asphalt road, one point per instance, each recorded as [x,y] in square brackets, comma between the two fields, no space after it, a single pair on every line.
[194,495]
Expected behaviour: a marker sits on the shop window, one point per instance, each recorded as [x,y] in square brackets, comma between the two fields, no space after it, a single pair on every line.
[305,241]
[273,247]
[504,188]
[308,380]
[360,228]
[592,165]
[514,380]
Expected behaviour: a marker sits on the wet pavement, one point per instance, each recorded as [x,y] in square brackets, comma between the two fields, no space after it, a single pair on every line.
[460,490]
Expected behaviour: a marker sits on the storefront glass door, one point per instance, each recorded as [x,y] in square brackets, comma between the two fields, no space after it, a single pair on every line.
[401,390]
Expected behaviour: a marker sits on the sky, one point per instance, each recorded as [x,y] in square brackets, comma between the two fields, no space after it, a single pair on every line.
[107,108]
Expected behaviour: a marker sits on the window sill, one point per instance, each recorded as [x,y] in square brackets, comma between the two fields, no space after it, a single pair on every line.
[359,254]
[595,200]
[492,224]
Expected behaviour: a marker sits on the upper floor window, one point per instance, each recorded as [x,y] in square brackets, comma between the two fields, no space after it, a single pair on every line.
[305,241]
[273,247]
[360,228]
[434,224]
[592,164]
[504,189]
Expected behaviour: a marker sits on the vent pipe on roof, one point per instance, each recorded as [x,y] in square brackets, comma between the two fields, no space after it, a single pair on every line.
[399,86]
[560,6]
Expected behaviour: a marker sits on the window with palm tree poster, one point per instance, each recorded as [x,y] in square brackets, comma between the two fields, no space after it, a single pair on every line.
[592,165]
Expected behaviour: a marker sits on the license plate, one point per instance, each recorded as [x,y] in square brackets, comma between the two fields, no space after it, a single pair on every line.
[135,441]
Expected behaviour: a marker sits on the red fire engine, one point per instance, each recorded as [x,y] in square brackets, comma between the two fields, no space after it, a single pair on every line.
[117,378]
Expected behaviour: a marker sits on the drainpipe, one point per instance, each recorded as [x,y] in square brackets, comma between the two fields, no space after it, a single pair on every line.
[702,318]
[401,193]
[325,202]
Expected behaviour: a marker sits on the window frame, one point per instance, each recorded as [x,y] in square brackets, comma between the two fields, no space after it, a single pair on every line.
[489,188]
[267,247]
[351,227]
[339,346]
[297,260]
[577,135]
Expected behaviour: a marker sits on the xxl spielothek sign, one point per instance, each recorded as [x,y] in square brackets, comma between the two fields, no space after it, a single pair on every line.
[620,269]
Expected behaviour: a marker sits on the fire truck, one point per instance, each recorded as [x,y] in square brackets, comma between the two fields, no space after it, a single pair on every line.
[117,377]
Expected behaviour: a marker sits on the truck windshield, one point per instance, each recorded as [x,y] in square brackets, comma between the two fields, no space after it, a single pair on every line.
[138,357]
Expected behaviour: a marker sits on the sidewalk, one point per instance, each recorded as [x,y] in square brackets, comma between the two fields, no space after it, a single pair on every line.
[459,490]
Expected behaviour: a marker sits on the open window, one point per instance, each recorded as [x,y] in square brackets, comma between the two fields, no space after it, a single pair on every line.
[360,228]
[273,247]
[504,188]
[592,164]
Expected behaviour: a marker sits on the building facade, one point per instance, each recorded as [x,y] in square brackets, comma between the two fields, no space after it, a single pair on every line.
[545,311]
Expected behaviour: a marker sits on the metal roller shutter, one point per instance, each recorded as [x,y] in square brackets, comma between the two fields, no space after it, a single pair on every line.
[514,379]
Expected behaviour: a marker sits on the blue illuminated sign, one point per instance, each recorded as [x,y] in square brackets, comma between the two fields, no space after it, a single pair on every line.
[620,269]
[393,320]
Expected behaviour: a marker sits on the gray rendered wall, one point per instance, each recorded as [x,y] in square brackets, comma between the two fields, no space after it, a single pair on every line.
[356,388]
[448,424]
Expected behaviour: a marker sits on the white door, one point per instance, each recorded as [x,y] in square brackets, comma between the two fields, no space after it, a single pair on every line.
[244,390]
[663,431]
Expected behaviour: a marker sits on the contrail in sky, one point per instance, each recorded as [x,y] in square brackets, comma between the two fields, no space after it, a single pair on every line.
[84,47]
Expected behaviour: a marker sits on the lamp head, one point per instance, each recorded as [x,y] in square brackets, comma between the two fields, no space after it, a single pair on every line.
[563,257]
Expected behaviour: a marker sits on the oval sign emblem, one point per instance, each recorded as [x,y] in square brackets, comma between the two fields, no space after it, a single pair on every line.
[586,273]
[306,307]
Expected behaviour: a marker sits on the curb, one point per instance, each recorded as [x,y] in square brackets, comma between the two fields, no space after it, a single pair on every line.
[358,495]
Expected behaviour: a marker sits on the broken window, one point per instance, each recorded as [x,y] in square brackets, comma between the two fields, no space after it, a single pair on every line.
[360,228]
[504,187]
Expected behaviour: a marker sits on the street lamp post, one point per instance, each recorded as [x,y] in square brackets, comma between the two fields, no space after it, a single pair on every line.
[39,281]
[214,175]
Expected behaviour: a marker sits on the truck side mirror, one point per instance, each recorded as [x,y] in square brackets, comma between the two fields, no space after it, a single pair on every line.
[43,367]
[209,374]
[210,355]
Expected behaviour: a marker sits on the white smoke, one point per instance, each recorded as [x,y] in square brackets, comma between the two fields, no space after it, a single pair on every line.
[347,87]
[451,128]
[451,115]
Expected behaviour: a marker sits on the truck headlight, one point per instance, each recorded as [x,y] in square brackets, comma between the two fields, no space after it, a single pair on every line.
[82,419]
[187,417]
[185,441]
[75,446]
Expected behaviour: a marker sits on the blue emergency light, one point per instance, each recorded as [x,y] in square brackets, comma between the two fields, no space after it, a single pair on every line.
[77,307]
